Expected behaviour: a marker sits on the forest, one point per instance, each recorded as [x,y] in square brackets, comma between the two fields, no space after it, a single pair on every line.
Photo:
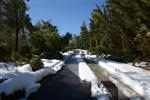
[119,28]
[20,40]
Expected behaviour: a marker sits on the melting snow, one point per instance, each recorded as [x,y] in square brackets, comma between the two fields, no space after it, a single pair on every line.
[136,78]
[24,78]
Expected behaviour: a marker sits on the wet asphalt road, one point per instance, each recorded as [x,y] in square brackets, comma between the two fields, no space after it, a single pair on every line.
[65,85]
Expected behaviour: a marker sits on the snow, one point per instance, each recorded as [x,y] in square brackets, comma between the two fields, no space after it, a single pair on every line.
[50,69]
[24,68]
[24,78]
[78,56]
[82,51]
[58,66]
[134,77]
[85,73]
[97,88]
[7,66]
[18,82]
[142,64]
[99,91]
[67,54]
[50,63]
[91,57]
[7,74]
[4,73]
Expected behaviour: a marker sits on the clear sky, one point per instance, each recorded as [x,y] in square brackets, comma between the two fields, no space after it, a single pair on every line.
[67,15]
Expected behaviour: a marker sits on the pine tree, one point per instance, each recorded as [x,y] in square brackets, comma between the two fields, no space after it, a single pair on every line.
[14,16]
[84,36]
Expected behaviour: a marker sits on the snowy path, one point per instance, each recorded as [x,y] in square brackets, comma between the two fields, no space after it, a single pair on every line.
[78,66]
[134,79]
[63,86]
[72,64]
[100,73]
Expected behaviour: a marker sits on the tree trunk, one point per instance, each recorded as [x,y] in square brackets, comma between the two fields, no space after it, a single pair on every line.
[24,36]
[17,36]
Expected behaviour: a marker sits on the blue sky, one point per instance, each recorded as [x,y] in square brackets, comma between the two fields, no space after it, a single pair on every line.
[67,15]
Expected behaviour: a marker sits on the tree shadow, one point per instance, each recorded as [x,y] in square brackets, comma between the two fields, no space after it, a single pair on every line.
[65,85]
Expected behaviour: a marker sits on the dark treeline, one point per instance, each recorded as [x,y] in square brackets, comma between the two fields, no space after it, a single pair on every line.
[20,40]
[120,28]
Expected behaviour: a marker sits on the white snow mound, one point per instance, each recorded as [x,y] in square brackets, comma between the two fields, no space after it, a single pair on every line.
[134,77]
[24,78]
[97,88]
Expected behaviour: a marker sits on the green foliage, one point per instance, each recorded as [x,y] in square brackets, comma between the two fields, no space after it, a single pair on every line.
[5,52]
[143,46]
[56,55]
[25,51]
[13,22]
[20,40]
[36,63]
[37,43]
[65,41]
[15,56]
[99,50]
[84,37]
[14,17]
[46,40]
[119,28]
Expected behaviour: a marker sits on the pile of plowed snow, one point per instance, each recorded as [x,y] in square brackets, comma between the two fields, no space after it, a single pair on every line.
[23,78]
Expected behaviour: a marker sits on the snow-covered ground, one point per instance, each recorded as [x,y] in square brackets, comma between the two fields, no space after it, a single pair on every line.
[97,88]
[91,57]
[134,77]
[23,77]
[7,66]
[141,64]
[67,54]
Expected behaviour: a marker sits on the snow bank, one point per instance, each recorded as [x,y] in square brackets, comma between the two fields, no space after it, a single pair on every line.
[134,77]
[50,63]
[67,54]
[142,64]
[6,74]
[85,73]
[97,88]
[24,78]
[99,91]
[7,66]
[50,69]
[78,56]
[53,64]
[91,57]
[24,68]
[18,82]
[83,51]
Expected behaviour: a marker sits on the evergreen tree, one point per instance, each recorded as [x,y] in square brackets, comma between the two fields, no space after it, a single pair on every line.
[46,39]
[84,36]
[120,28]
[13,15]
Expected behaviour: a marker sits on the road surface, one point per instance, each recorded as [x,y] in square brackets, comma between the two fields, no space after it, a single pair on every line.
[65,85]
